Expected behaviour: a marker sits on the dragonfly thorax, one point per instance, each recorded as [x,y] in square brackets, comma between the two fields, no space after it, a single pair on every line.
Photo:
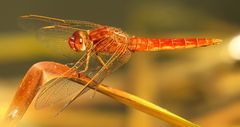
[77,41]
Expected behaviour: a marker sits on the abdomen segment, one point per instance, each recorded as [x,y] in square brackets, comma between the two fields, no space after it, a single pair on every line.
[147,44]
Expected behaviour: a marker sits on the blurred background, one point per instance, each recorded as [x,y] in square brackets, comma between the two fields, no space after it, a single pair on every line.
[201,84]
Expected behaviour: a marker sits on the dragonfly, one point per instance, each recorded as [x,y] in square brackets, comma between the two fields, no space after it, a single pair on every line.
[101,50]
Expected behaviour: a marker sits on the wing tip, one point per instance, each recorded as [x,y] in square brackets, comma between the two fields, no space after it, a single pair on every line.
[29,16]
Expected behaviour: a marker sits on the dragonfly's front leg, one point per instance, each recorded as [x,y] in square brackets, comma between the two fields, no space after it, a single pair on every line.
[86,64]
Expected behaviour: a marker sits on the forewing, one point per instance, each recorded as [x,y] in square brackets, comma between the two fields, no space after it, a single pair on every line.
[33,22]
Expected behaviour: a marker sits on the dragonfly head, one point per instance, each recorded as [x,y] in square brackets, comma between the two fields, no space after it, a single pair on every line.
[77,41]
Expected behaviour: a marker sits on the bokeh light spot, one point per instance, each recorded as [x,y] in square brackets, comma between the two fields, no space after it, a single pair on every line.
[234,48]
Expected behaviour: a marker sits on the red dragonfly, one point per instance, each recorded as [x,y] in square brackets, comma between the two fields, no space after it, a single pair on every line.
[103,49]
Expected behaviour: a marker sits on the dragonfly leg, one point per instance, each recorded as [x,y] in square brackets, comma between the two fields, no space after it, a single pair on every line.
[101,61]
[89,52]
[87,63]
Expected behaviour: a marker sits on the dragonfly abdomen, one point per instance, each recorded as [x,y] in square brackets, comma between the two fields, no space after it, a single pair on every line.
[147,44]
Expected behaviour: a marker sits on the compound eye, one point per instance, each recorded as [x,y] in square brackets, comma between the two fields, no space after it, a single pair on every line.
[71,42]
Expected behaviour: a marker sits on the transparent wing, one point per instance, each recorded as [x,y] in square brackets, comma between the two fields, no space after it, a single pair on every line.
[53,33]
[55,39]
[33,22]
[58,93]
